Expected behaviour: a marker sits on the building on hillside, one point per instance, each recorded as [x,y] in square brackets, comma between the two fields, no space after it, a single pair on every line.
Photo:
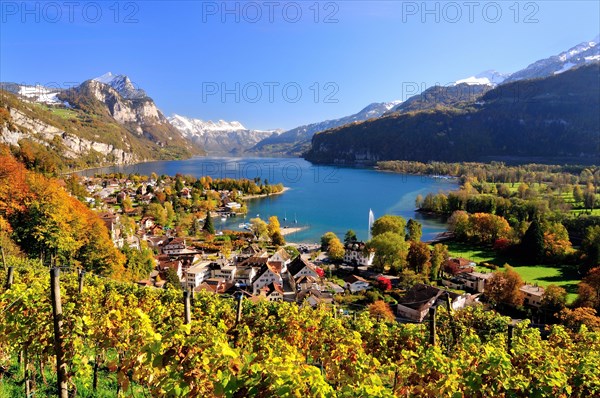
[196,274]
[355,254]
[420,298]
[459,265]
[533,295]
[355,283]
[470,281]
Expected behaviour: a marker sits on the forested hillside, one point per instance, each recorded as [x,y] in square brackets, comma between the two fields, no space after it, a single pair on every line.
[552,118]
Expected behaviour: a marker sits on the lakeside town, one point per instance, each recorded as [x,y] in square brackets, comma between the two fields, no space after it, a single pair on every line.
[261,265]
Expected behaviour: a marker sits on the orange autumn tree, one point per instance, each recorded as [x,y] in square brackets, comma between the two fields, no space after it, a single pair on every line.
[46,221]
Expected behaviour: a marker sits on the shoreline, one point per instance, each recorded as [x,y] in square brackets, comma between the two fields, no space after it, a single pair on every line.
[265,195]
[291,230]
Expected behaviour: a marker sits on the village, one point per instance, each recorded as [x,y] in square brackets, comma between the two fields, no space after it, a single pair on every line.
[230,262]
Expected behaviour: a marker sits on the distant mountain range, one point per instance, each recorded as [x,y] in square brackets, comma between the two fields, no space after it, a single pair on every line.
[220,137]
[553,118]
[108,119]
[297,140]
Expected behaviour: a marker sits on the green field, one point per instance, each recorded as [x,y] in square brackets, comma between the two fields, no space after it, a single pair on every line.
[542,275]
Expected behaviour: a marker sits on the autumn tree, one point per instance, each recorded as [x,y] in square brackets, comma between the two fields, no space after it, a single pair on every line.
[458,223]
[381,310]
[325,239]
[274,231]
[158,212]
[390,251]
[259,228]
[574,319]
[439,256]
[554,299]
[414,230]
[388,223]
[504,287]
[418,258]
[589,290]
[335,249]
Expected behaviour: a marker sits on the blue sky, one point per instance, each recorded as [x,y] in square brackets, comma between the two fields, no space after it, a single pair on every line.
[281,64]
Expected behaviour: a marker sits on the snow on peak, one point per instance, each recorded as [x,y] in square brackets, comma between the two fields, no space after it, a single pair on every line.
[197,127]
[105,78]
[40,94]
[488,77]
[122,84]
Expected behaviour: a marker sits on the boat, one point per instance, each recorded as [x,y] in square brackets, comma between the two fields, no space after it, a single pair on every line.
[223,218]
[285,216]
[295,219]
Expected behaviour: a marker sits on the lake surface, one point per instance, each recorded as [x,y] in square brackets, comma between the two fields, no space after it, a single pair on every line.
[320,198]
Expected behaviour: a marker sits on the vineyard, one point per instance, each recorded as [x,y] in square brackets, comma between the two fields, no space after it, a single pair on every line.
[122,340]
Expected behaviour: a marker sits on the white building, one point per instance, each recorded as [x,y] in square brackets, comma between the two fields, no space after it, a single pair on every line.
[196,274]
[533,295]
[355,254]
[355,284]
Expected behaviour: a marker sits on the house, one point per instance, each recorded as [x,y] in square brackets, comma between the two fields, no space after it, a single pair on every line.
[245,275]
[147,222]
[355,283]
[196,274]
[533,295]
[224,271]
[314,297]
[174,246]
[420,298]
[267,274]
[355,254]
[112,222]
[333,287]
[280,259]
[215,285]
[272,291]
[174,265]
[300,267]
[459,265]
[473,281]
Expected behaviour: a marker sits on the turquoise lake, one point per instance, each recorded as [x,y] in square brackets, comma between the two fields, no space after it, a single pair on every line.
[320,198]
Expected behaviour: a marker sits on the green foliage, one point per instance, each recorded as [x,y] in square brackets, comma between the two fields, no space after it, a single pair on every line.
[388,223]
[414,230]
[208,224]
[390,251]
[532,244]
[137,337]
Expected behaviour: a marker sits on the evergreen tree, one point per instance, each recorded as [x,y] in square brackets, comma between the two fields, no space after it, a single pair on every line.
[532,244]
[208,224]
[350,236]
[414,230]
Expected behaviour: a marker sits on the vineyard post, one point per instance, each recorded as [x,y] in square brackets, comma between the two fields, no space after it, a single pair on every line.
[238,316]
[432,326]
[452,326]
[3,258]
[9,277]
[511,328]
[186,307]
[193,296]
[61,379]
[81,276]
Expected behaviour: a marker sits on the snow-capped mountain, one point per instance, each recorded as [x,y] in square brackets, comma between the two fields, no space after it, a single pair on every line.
[122,84]
[37,93]
[220,136]
[297,140]
[581,54]
[489,77]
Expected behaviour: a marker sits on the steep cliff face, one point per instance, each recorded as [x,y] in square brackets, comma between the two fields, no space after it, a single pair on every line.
[19,126]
